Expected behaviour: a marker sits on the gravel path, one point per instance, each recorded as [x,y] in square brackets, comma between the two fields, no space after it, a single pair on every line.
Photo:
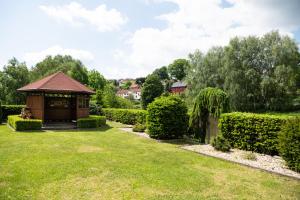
[274,164]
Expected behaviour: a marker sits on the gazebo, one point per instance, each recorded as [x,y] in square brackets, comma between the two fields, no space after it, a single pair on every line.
[57,98]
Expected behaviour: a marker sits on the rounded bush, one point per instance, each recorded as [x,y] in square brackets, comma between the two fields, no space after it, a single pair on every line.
[167,118]
[139,128]
[289,143]
[220,143]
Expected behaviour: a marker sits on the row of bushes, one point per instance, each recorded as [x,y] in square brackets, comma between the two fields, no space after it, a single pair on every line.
[262,133]
[10,110]
[20,124]
[252,132]
[126,116]
[92,121]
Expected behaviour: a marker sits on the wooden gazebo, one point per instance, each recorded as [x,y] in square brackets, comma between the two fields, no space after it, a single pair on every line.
[57,98]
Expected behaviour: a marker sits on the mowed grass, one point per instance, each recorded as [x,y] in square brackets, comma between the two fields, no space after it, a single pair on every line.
[110,164]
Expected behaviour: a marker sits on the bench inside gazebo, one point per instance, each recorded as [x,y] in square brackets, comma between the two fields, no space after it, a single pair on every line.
[57,98]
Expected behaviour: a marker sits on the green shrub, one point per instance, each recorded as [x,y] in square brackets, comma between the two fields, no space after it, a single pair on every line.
[95,109]
[289,143]
[220,143]
[11,110]
[20,124]
[252,132]
[126,116]
[167,118]
[92,121]
[139,128]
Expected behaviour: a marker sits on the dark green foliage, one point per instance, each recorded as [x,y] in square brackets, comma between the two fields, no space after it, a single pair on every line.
[220,143]
[139,128]
[152,88]
[14,76]
[93,121]
[11,110]
[20,124]
[126,116]
[252,132]
[167,118]
[209,102]
[95,109]
[140,81]
[178,69]
[289,143]
[66,64]
[162,73]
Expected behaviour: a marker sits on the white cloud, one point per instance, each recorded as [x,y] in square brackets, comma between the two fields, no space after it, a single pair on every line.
[101,17]
[35,57]
[201,24]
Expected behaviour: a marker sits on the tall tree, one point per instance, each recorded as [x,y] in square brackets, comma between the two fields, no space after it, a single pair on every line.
[162,73]
[140,81]
[151,89]
[178,69]
[14,76]
[66,64]
[96,80]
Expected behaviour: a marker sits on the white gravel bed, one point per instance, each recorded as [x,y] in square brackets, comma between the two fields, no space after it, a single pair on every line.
[142,134]
[273,164]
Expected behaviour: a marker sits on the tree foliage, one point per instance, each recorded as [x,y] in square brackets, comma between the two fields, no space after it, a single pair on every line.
[96,80]
[257,73]
[152,88]
[14,76]
[66,64]
[209,102]
[178,69]
[162,73]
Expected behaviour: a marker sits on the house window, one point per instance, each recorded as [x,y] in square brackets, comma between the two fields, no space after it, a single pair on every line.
[83,102]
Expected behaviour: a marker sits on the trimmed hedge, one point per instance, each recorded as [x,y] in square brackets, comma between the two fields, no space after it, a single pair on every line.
[11,110]
[252,132]
[126,116]
[167,118]
[289,143]
[93,121]
[139,128]
[20,124]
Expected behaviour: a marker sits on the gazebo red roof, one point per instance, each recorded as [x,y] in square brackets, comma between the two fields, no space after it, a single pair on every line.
[58,82]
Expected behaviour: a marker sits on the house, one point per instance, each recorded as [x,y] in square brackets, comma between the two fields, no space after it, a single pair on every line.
[178,87]
[134,90]
[57,98]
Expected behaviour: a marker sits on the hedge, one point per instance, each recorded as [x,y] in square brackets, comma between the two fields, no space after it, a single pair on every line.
[20,124]
[11,110]
[167,118]
[126,116]
[252,132]
[93,121]
[289,143]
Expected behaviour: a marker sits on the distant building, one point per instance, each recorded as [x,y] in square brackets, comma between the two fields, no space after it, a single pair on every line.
[134,90]
[178,87]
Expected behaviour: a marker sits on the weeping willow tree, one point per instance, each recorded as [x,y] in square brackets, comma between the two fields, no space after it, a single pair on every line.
[209,102]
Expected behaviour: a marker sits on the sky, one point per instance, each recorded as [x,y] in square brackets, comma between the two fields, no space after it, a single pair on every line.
[131,38]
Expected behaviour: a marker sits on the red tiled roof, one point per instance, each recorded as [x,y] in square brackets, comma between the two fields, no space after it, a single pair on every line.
[58,82]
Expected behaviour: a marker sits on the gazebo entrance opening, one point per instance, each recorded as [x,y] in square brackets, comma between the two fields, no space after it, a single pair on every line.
[60,107]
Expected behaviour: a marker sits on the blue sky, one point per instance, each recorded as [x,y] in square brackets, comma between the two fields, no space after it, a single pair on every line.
[130,38]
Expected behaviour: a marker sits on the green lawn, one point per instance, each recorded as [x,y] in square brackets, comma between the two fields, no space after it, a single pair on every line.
[110,164]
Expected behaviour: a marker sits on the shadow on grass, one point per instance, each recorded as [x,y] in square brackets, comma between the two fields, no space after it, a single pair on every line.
[100,129]
[182,141]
